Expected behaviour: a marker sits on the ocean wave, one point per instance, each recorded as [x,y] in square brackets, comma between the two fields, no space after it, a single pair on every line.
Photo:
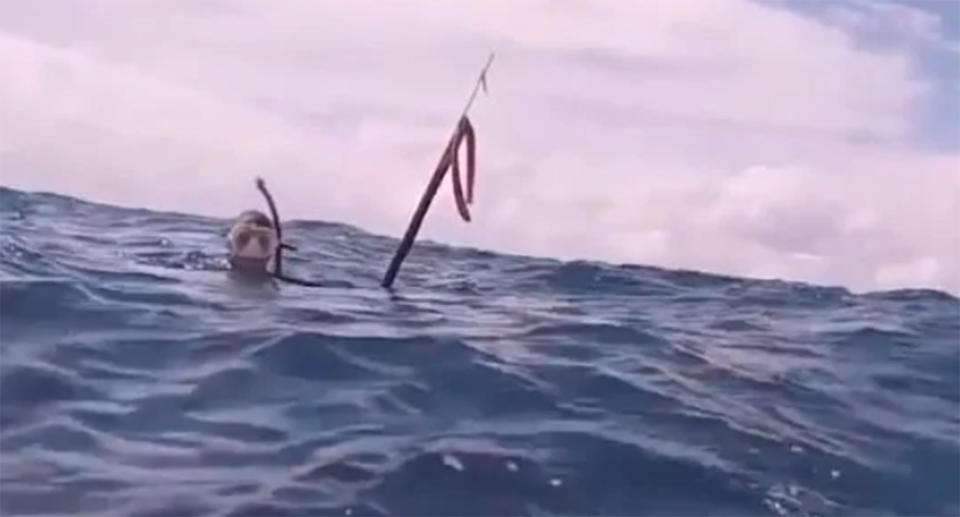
[138,377]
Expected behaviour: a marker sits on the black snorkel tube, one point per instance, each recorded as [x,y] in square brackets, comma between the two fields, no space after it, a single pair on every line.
[278,253]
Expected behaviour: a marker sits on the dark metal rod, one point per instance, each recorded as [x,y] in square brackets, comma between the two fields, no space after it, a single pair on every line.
[418,216]
[449,156]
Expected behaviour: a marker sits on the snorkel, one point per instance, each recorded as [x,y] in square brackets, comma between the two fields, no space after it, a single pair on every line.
[258,262]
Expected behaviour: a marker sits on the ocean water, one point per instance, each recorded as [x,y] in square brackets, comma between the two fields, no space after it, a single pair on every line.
[137,377]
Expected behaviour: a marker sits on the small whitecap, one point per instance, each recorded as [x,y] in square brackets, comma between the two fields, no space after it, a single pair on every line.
[451,461]
[556,482]
[775,506]
[512,467]
[796,449]
[834,474]
[348,511]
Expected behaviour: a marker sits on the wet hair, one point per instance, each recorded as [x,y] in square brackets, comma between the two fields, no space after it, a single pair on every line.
[256,218]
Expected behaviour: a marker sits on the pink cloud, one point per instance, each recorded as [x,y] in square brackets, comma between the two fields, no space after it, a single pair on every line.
[720,136]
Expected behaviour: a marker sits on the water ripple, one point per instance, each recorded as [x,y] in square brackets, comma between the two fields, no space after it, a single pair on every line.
[137,377]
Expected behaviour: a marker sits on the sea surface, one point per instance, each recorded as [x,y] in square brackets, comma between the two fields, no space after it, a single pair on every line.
[138,377]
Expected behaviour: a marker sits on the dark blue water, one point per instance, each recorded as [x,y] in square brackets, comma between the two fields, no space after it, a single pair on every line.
[139,378]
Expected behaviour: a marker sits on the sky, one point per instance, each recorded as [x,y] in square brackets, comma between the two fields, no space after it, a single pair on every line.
[807,141]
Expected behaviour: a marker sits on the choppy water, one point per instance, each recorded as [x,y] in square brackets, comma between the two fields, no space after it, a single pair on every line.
[138,378]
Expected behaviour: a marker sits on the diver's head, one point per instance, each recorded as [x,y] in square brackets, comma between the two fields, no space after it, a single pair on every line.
[253,242]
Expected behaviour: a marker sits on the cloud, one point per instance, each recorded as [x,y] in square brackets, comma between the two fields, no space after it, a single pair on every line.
[887,23]
[921,270]
[727,136]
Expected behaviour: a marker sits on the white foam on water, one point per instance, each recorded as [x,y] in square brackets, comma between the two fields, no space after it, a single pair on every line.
[451,461]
